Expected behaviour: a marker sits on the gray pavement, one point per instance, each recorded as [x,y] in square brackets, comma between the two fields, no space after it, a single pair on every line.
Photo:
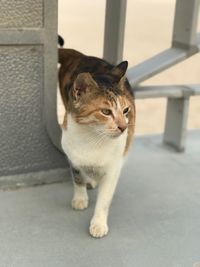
[154,219]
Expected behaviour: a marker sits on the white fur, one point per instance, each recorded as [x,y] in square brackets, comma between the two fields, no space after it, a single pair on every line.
[80,198]
[80,143]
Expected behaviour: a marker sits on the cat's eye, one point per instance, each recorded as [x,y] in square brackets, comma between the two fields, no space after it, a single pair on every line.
[106,112]
[126,110]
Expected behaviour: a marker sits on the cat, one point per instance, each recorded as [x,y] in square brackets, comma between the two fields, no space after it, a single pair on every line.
[97,129]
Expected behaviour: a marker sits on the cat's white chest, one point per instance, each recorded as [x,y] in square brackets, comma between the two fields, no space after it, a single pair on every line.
[84,149]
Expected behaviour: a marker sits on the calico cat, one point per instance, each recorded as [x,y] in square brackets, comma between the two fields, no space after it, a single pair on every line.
[97,129]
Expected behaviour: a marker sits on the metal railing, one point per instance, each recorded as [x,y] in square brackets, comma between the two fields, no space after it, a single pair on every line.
[185,43]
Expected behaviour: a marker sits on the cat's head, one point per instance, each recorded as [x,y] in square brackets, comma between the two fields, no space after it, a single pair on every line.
[103,102]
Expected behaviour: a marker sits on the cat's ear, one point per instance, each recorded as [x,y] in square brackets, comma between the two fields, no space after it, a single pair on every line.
[121,83]
[120,70]
[83,84]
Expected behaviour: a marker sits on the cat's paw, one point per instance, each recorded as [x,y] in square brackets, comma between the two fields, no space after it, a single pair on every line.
[98,229]
[79,204]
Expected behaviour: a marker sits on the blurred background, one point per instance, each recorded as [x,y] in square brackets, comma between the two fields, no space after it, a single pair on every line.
[148,31]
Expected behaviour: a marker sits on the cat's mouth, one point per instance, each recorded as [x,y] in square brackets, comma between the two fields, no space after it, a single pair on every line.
[115,134]
[109,133]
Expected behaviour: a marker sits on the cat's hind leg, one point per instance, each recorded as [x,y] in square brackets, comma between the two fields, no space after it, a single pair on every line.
[80,197]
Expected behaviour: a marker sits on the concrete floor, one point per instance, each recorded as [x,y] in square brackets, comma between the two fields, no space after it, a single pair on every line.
[154,219]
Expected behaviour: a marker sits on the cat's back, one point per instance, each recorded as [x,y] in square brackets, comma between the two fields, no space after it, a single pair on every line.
[74,61]
[69,60]
[67,54]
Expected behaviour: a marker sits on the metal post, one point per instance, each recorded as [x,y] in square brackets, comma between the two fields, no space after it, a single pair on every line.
[114,30]
[184,36]
[185,24]
[176,123]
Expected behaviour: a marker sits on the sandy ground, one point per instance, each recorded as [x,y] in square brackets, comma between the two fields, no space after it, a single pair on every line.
[148,31]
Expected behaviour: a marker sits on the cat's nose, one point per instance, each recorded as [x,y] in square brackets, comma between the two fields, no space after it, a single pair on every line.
[122,128]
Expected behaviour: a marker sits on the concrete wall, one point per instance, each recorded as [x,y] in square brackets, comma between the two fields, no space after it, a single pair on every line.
[28,78]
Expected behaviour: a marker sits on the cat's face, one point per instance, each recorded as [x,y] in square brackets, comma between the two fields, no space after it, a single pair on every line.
[104,116]
[101,103]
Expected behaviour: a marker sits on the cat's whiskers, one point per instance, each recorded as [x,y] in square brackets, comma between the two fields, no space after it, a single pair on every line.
[95,140]
[109,132]
[91,140]
[100,141]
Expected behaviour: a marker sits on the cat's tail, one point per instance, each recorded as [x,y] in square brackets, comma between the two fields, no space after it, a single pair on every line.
[61,41]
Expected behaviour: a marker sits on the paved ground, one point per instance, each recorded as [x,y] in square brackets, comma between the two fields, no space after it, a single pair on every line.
[154,220]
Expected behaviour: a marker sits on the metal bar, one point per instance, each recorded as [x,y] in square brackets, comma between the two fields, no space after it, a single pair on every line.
[169,91]
[175,91]
[114,30]
[195,88]
[185,43]
[185,24]
[176,123]
[157,64]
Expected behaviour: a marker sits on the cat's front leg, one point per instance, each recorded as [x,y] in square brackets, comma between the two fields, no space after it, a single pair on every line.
[98,224]
[80,198]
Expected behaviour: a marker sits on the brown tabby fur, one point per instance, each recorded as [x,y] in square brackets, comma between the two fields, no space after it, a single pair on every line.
[106,85]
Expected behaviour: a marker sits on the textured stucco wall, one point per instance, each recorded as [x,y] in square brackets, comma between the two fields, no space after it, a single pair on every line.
[28,74]
[21,13]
